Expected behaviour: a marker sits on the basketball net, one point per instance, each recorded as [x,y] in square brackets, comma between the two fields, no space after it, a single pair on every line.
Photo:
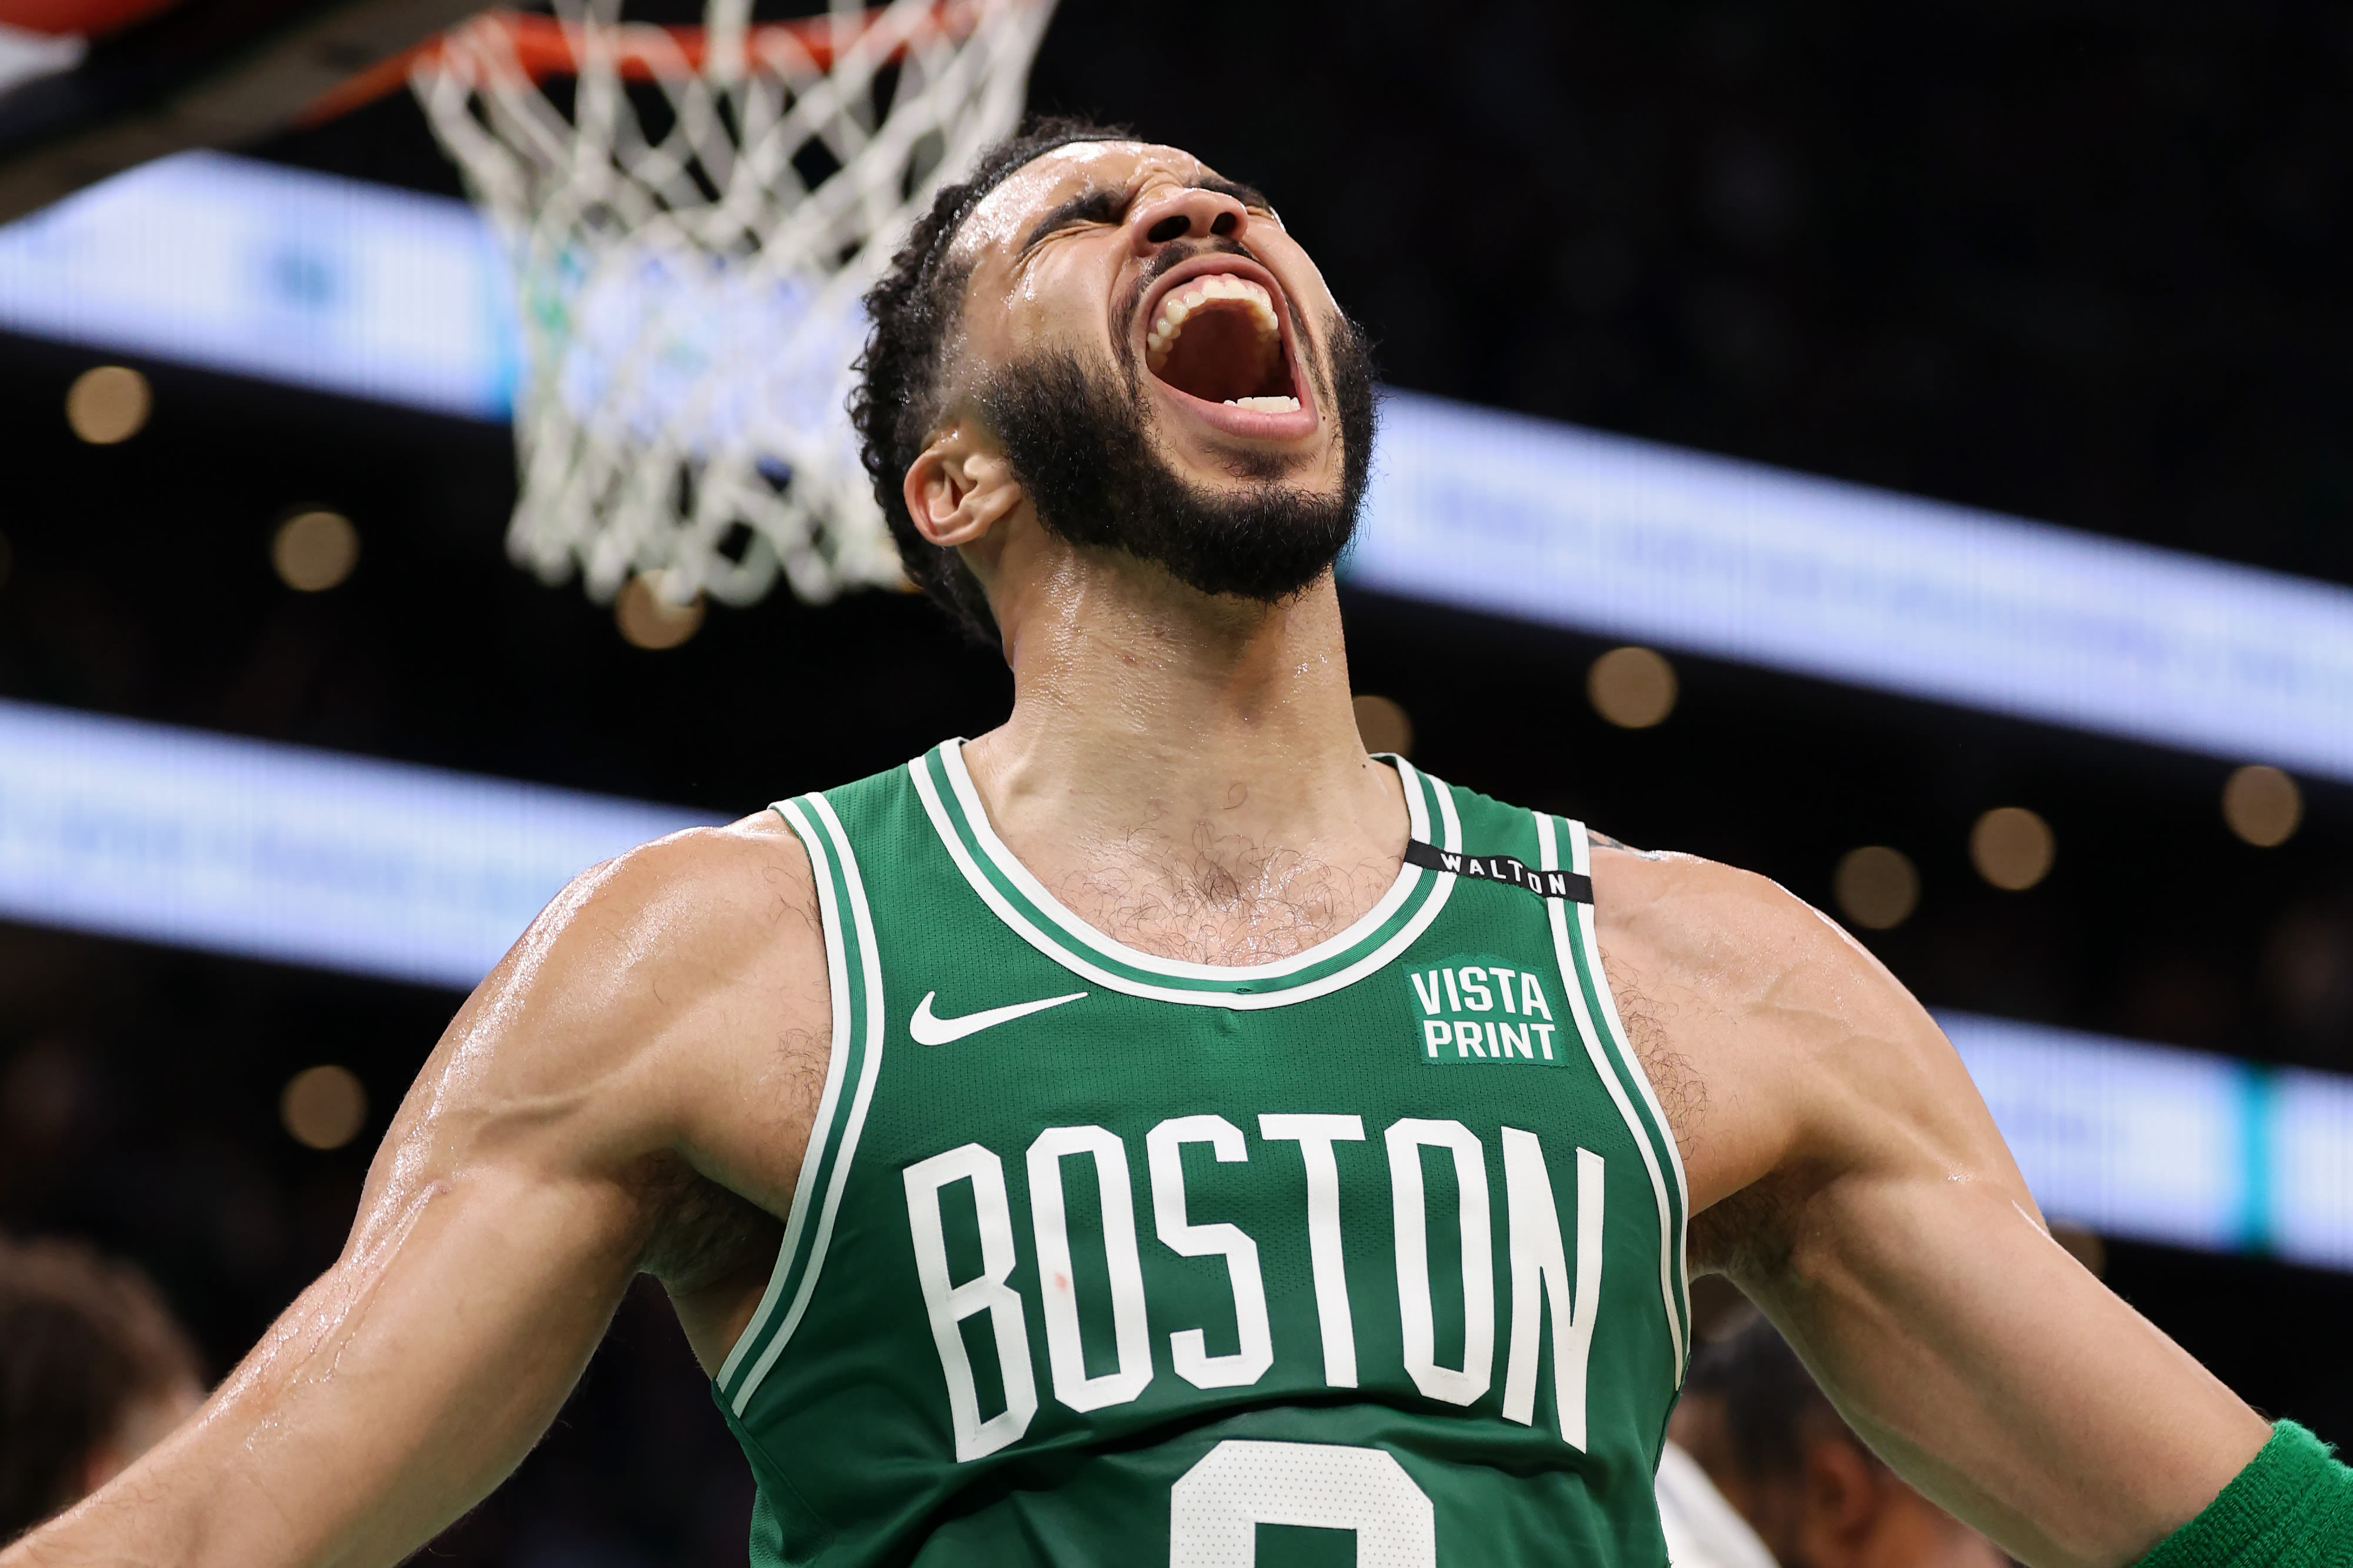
[689,241]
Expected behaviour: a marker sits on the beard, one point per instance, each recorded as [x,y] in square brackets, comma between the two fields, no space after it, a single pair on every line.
[1080,443]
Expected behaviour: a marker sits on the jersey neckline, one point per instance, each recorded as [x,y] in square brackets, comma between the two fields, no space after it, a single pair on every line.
[1022,904]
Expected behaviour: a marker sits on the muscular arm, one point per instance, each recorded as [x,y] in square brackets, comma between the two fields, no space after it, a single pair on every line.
[1847,1177]
[654,1041]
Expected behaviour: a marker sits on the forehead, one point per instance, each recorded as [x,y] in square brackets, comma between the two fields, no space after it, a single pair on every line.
[1035,189]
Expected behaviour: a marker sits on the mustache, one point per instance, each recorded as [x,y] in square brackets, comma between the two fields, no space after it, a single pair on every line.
[1175,256]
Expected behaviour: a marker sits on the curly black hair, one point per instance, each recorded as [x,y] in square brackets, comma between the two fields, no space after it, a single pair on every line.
[913,312]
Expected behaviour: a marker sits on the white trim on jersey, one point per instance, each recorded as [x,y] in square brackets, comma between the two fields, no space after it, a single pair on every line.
[1670,1241]
[827,1160]
[869,1071]
[1242,1001]
[1581,861]
[836,979]
[984,833]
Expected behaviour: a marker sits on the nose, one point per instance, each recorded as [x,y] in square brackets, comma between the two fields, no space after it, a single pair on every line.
[1190,213]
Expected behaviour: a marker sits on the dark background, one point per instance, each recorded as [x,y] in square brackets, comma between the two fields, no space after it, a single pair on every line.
[2085,262]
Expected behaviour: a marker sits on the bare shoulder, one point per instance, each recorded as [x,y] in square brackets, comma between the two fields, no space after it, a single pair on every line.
[1774,1038]
[1717,932]
[655,992]
[703,906]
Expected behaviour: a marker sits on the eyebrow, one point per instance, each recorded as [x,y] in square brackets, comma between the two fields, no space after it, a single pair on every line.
[1109,204]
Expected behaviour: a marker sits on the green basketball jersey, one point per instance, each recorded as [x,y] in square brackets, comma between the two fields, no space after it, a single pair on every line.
[1374,1253]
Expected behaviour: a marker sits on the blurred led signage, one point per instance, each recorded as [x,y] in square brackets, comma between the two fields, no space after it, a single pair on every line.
[1522,517]
[276,273]
[270,851]
[2169,1145]
[334,283]
[278,852]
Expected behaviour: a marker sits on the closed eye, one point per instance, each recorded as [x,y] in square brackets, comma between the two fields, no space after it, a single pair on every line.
[1103,206]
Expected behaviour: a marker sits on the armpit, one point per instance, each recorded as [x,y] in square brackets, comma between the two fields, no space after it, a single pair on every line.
[1683,1094]
[1746,1237]
[703,1233]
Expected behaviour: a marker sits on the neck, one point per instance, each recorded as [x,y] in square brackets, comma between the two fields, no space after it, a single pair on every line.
[1184,771]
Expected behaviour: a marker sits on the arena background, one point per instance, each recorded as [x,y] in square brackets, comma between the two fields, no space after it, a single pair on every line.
[2084,263]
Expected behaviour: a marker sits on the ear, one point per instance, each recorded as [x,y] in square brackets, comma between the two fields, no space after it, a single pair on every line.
[1842,1497]
[959,487]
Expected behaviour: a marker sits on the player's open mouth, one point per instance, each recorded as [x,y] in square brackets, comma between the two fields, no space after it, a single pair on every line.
[1216,333]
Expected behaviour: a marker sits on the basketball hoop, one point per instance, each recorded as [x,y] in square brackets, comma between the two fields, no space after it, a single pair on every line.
[689,243]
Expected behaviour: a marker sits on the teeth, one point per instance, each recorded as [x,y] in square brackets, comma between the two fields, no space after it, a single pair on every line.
[1191,295]
[1285,403]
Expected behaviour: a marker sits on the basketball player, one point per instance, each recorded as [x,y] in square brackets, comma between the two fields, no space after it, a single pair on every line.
[1157,1131]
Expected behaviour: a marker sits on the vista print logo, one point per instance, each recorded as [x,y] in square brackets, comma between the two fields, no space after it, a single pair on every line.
[1480,1008]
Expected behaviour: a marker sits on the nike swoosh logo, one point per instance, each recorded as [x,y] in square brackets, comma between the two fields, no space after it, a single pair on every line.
[930,1029]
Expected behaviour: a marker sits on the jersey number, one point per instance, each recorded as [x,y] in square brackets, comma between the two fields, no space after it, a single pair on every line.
[1215,1508]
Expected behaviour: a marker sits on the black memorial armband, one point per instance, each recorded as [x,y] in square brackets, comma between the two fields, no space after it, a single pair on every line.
[1574,886]
[2292,1507]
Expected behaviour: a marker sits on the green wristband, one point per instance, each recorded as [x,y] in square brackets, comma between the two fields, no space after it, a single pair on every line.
[2292,1507]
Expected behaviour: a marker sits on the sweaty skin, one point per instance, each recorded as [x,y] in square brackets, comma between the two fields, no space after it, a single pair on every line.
[631,1088]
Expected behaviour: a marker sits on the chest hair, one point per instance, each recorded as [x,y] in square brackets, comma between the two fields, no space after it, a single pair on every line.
[1219,899]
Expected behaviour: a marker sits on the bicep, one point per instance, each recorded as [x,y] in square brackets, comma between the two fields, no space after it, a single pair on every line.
[503,1216]
[1897,1245]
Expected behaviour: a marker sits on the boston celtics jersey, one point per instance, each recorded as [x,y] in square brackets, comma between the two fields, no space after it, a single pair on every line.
[1371,1254]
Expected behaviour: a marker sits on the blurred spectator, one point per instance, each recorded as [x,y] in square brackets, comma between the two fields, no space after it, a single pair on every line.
[1702,1529]
[93,1372]
[1753,1418]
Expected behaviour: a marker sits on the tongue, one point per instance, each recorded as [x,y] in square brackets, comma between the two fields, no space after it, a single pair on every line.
[1220,355]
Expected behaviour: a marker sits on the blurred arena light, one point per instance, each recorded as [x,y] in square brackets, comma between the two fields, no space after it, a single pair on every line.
[2085,1246]
[2013,847]
[324,1107]
[108,405]
[1384,725]
[648,619]
[1632,687]
[314,551]
[1876,887]
[2263,806]
[321,282]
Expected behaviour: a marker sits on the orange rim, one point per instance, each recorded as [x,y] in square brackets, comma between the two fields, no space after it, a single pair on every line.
[544,47]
